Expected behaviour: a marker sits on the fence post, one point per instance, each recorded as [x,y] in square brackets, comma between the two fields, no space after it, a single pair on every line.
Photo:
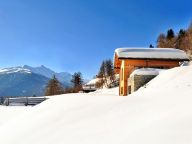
[7,102]
[26,101]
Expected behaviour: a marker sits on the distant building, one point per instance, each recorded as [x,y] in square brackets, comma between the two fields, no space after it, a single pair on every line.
[126,60]
[90,86]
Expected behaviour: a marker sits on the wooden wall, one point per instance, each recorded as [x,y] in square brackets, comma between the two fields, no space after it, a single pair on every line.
[128,66]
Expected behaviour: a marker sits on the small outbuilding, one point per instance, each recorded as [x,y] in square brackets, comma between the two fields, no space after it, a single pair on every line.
[140,77]
[126,60]
[90,86]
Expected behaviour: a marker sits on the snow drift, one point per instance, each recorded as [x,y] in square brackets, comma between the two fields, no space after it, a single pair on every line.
[146,71]
[157,114]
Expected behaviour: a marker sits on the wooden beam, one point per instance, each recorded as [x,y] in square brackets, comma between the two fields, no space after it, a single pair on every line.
[151,63]
[125,71]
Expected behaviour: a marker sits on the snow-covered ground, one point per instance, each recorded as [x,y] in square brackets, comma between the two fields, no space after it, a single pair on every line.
[8,113]
[158,114]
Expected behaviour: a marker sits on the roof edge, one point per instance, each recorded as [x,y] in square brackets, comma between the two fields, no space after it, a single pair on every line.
[121,58]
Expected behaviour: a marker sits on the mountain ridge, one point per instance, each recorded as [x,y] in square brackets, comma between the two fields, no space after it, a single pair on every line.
[28,81]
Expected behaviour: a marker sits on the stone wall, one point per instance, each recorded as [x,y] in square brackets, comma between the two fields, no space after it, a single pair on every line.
[137,81]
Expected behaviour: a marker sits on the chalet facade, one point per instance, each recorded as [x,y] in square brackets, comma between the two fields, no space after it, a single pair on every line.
[126,60]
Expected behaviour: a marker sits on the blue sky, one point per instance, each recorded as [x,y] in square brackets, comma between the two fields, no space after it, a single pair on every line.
[76,35]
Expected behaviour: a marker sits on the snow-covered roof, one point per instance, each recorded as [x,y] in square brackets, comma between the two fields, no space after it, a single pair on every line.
[146,71]
[93,81]
[151,53]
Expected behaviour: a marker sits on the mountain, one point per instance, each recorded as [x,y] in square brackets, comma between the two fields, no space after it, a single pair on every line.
[22,84]
[28,81]
[42,70]
[63,77]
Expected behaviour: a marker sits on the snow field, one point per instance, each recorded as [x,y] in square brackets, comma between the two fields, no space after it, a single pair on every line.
[159,113]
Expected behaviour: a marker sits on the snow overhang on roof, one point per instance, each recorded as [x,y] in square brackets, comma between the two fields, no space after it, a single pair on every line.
[146,71]
[151,53]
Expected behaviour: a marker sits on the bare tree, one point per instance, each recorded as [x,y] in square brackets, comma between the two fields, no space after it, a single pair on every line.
[53,87]
[161,41]
[182,40]
[106,74]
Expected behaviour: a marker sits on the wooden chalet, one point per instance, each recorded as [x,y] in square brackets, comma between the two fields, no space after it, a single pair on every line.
[128,59]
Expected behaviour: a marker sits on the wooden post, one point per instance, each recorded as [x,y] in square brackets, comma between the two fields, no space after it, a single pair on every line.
[128,70]
[125,71]
[120,78]
[125,77]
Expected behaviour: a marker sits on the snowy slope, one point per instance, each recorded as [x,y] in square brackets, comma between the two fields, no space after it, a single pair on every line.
[158,114]
[8,113]
[146,71]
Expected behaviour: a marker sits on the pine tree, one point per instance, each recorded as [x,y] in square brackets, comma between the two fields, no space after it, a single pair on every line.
[109,67]
[151,46]
[101,73]
[180,41]
[181,33]
[171,39]
[77,81]
[170,34]
[54,87]
[109,71]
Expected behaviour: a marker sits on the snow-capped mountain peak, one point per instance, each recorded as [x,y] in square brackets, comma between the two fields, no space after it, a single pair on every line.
[27,81]
[14,70]
[42,70]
